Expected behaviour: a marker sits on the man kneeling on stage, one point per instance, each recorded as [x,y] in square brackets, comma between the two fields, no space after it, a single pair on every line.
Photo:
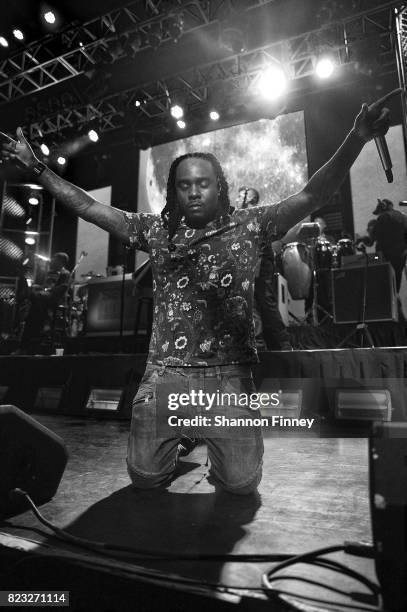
[203,261]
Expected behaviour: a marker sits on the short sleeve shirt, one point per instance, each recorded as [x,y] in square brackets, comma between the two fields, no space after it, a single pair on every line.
[203,285]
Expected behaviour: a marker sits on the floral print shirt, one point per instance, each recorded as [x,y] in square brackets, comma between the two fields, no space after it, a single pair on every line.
[203,285]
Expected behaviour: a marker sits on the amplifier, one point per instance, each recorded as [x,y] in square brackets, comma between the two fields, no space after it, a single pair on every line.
[347,293]
[359,259]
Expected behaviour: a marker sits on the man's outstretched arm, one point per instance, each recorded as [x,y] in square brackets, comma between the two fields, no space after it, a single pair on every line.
[372,121]
[77,200]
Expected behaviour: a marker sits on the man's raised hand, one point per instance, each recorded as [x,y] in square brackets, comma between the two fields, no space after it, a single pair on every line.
[374,120]
[18,151]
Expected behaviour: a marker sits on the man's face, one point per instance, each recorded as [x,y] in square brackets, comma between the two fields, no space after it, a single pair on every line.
[197,191]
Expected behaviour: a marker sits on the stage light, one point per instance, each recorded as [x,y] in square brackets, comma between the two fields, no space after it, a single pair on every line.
[18,34]
[181,124]
[93,135]
[214,115]
[177,111]
[49,17]
[61,160]
[272,82]
[12,207]
[44,149]
[324,67]
[3,41]
[176,27]
[33,200]
[10,249]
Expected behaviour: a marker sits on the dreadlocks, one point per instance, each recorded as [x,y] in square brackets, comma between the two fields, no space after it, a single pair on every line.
[171,213]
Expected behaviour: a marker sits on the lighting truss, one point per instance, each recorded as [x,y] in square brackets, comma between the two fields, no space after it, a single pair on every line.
[60,57]
[237,73]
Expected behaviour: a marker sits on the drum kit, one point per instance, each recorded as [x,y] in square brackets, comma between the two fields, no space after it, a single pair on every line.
[302,261]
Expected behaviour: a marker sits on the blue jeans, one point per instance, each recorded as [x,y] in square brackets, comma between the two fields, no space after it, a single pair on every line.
[235,454]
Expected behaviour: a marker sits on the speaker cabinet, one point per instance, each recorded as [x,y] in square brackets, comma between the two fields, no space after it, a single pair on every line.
[32,458]
[347,293]
[388,503]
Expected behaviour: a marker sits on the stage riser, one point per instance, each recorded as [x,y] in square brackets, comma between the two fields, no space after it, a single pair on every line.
[63,384]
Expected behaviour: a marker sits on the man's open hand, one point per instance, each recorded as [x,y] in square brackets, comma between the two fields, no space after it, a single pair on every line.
[374,120]
[18,151]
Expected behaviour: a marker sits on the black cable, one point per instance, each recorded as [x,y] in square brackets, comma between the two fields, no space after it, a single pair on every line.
[312,558]
[285,560]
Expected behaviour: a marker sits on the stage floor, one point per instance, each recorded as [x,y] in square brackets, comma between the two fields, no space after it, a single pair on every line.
[314,493]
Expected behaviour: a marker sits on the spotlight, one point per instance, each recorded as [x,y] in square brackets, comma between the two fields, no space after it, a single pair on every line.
[49,17]
[3,41]
[61,160]
[324,67]
[44,149]
[272,83]
[137,103]
[233,40]
[18,34]
[181,124]
[33,200]
[93,135]
[214,115]
[176,27]
[177,111]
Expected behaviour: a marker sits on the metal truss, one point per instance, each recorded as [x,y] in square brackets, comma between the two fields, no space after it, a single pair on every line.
[235,76]
[108,38]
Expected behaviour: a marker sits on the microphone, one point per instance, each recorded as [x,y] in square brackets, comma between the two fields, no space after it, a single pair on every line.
[384,155]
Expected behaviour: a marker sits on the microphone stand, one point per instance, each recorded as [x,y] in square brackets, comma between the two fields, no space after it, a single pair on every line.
[361,327]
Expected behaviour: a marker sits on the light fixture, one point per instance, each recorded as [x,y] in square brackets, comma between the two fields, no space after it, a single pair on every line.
[29,240]
[18,34]
[33,200]
[177,111]
[29,220]
[3,41]
[45,149]
[233,39]
[137,103]
[61,160]
[324,67]
[272,82]
[214,115]
[26,261]
[181,124]
[93,135]
[175,27]
[49,17]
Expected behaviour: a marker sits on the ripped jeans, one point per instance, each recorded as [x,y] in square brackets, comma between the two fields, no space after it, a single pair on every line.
[235,454]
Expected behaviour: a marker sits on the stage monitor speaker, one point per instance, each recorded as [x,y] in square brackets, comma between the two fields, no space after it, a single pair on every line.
[388,504]
[32,458]
[347,294]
